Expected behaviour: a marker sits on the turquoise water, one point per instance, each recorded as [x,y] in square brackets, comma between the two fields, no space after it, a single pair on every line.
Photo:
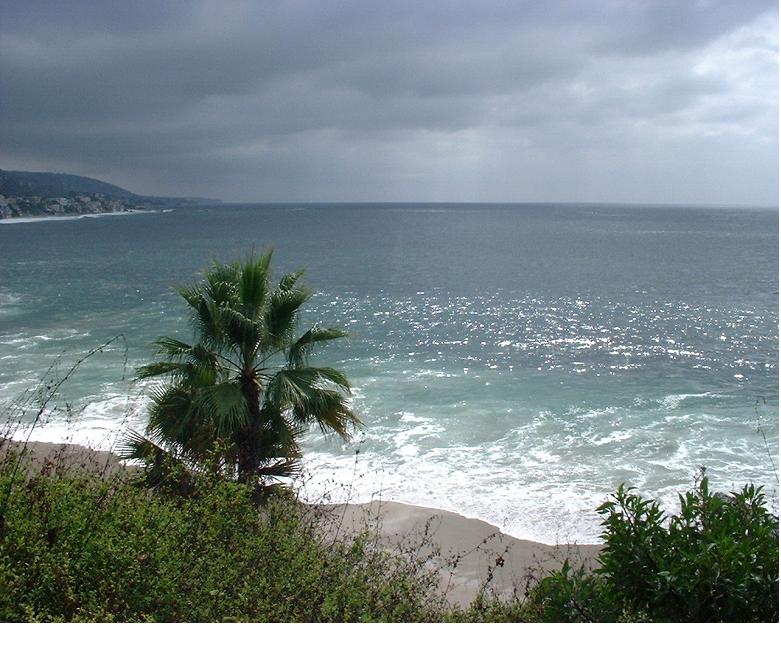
[511,362]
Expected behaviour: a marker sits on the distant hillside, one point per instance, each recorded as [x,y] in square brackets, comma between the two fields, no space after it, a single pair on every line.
[16,183]
[55,185]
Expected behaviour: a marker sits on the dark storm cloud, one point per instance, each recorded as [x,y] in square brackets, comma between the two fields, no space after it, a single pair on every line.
[397,100]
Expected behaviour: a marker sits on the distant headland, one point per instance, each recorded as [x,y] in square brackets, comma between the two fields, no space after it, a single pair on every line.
[28,194]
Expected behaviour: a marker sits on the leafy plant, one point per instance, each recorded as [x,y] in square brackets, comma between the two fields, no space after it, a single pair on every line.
[237,400]
[717,560]
[77,547]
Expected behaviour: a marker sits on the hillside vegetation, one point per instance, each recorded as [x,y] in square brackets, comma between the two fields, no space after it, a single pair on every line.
[17,183]
[76,546]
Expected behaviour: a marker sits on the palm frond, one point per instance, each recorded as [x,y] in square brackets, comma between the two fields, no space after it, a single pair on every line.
[173,415]
[242,334]
[306,394]
[221,282]
[330,410]
[254,286]
[301,349]
[281,315]
[200,355]
[190,293]
[288,386]
[326,373]
[205,318]
[159,369]
[286,468]
[226,406]
[135,446]
[162,466]
[280,434]
[288,281]
[173,348]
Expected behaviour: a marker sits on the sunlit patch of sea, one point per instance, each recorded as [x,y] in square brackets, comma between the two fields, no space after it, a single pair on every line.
[512,363]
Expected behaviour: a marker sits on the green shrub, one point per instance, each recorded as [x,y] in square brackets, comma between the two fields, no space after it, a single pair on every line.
[715,561]
[79,548]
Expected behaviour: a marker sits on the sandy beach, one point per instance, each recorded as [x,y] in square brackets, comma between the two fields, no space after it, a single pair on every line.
[66,457]
[469,554]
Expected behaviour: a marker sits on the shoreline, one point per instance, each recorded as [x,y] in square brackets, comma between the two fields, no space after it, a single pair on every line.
[334,483]
[484,556]
[85,215]
[482,549]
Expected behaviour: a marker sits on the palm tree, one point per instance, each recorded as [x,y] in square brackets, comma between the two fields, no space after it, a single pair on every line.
[237,400]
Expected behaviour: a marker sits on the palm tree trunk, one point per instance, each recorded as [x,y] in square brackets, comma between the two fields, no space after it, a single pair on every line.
[249,438]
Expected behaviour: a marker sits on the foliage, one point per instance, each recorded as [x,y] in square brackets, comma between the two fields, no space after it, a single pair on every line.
[715,561]
[237,400]
[81,548]
[76,546]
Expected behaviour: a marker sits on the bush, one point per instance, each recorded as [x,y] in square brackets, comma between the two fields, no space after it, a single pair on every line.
[79,548]
[715,561]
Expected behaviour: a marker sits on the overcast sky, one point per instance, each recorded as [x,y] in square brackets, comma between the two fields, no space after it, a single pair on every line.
[656,101]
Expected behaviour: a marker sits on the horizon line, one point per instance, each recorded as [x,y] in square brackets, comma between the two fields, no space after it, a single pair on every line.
[490,203]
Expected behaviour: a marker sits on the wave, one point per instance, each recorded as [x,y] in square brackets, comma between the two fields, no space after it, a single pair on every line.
[60,218]
[10,303]
[541,479]
[673,401]
[8,298]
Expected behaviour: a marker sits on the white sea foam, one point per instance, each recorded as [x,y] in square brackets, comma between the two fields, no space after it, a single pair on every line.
[672,401]
[540,480]
[535,449]
[10,302]
[8,298]
[613,437]
[62,218]
[536,474]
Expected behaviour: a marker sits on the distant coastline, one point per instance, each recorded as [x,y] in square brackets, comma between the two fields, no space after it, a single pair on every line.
[26,195]
[17,207]
[91,215]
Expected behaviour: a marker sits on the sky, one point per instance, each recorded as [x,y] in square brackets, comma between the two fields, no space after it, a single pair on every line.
[630,101]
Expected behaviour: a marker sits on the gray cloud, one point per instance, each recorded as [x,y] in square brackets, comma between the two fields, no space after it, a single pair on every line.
[613,100]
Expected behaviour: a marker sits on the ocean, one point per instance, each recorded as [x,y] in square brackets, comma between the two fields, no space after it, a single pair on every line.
[513,363]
